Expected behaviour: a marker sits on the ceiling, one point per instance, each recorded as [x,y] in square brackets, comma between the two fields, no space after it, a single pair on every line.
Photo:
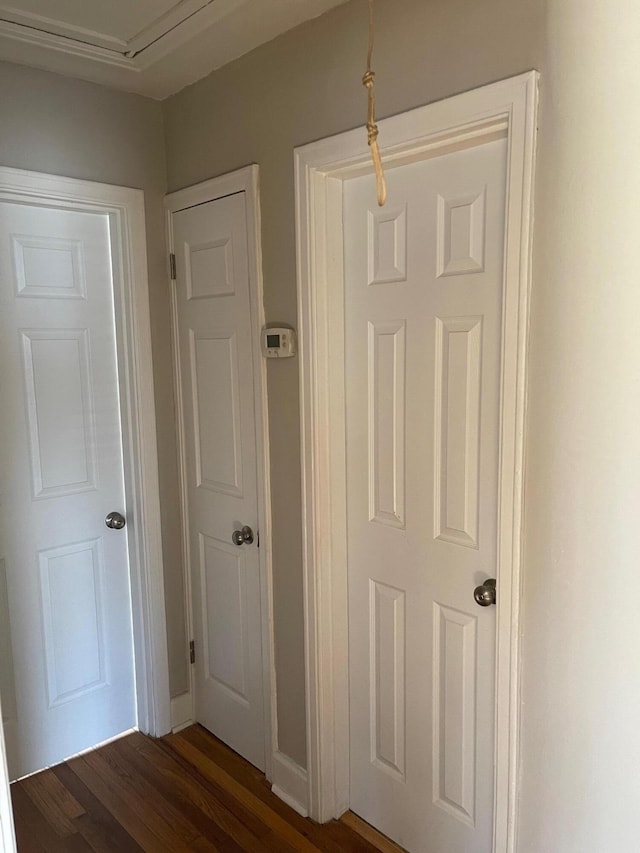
[154,47]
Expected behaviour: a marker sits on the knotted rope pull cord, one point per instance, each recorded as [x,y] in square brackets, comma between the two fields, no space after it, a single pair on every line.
[372,127]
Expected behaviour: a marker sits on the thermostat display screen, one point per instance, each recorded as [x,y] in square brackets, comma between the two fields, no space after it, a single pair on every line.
[273,340]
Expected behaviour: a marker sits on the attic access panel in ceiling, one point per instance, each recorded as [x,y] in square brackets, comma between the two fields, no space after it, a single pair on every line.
[153,47]
[122,26]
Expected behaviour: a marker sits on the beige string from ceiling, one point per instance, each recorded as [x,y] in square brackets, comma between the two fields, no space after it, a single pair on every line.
[372,127]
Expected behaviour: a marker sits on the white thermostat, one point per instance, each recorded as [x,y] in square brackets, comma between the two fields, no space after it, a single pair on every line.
[278,343]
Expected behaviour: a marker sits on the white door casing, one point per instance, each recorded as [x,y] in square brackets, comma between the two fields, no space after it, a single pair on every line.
[423,287]
[505,110]
[121,210]
[7,834]
[213,231]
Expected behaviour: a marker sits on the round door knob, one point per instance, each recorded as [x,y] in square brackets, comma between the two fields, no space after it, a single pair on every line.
[115,521]
[485,594]
[242,537]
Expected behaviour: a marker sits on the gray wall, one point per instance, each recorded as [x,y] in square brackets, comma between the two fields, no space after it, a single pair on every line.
[303,86]
[54,124]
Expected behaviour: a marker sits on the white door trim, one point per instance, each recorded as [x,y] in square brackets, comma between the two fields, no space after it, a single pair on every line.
[502,110]
[245,180]
[7,835]
[125,209]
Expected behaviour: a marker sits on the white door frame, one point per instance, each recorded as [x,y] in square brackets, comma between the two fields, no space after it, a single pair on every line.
[245,180]
[7,835]
[125,209]
[502,110]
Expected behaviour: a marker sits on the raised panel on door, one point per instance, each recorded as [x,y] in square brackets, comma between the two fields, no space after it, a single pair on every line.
[224,604]
[423,282]
[457,429]
[61,469]
[216,371]
[216,434]
[387,677]
[454,712]
[71,582]
[386,423]
[59,411]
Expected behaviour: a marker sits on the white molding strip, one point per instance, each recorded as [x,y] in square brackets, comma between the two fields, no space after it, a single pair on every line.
[245,180]
[7,834]
[505,109]
[290,783]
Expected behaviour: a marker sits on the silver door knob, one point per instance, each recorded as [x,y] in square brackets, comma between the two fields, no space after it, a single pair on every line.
[485,594]
[115,521]
[242,537]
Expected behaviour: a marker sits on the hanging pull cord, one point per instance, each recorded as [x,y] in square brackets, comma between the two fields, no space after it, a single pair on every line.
[372,127]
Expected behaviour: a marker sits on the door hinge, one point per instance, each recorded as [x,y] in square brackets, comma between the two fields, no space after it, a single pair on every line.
[172,266]
[192,651]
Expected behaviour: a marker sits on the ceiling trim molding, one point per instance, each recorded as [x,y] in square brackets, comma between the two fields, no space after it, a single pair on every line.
[163,35]
[208,16]
[163,26]
[178,48]
[53,26]
[63,44]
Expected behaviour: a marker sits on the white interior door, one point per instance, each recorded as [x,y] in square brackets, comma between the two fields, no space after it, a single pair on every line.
[66,648]
[423,279]
[216,363]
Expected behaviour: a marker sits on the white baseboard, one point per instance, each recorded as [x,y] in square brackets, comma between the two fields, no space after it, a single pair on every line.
[181,712]
[290,783]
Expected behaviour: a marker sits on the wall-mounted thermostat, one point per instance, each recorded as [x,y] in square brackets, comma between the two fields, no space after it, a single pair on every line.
[278,343]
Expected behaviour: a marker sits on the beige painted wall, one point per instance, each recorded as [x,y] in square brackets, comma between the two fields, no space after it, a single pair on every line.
[580,790]
[54,124]
[303,86]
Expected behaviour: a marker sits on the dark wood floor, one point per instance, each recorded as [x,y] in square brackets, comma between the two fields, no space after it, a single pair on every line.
[185,792]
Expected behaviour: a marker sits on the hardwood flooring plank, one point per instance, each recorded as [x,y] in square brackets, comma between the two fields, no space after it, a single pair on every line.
[186,793]
[26,841]
[39,829]
[113,765]
[130,814]
[54,801]
[269,840]
[259,807]
[379,841]
[332,837]
[98,825]
[205,812]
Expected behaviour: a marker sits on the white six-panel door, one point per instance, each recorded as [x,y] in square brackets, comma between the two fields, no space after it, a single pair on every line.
[423,279]
[66,648]
[216,365]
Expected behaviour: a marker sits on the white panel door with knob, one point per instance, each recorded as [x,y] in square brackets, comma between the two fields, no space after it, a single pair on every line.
[218,415]
[66,646]
[423,281]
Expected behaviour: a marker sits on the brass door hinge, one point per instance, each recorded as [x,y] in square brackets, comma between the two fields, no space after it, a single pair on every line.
[192,651]
[172,266]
